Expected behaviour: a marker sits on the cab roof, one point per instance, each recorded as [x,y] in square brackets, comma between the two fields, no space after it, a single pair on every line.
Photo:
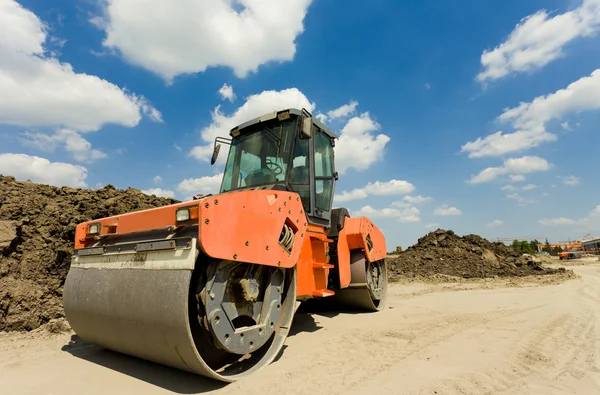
[294,111]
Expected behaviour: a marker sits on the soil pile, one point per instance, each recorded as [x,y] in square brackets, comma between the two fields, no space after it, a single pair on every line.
[37,231]
[471,256]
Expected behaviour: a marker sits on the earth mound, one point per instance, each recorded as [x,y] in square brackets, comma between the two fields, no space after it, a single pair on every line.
[442,252]
[37,230]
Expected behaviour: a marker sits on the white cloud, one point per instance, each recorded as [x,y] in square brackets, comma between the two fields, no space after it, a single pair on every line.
[25,167]
[520,199]
[226,92]
[494,223]
[565,125]
[446,210]
[39,90]
[181,36]
[204,185]
[571,181]
[167,193]
[592,220]
[510,188]
[434,225]
[410,214]
[73,142]
[321,117]
[557,221]
[513,188]
[343,111]
[516,177]
[356,148]
[157,179]
[255,106]
[538,40]
[525,164]
[529,119]
[408,201]
[378,188]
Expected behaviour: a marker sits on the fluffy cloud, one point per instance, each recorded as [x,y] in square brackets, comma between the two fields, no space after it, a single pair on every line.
[343,111]
[378,188]
[157,179]
[529,119]
[494,223]
[255,106]
[41,170]
[410,214]
[525,164]
[409,201]
[538,40]
[513,188]
[358,147]
[433,225]
[226,92]
[445,210]
[181,36]
[592,220]
[522,201]
[516,177]
[40,91]
[202,185]
[159,192]
[73,142]
[571,181]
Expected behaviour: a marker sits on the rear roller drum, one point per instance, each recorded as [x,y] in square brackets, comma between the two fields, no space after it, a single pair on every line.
[368,284]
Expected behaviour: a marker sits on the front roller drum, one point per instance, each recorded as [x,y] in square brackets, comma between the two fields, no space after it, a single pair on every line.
[368,284]
[187,319]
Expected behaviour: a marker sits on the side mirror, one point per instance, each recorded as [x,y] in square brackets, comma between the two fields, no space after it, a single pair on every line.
[215,153]
[306,128]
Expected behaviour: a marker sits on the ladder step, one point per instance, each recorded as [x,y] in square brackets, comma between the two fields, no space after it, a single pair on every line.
[319,265]
[323,293]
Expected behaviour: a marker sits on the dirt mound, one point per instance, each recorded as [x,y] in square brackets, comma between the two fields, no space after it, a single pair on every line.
[442,252]
[37,230]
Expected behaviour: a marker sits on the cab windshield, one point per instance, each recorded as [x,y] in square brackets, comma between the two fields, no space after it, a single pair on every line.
[260,155]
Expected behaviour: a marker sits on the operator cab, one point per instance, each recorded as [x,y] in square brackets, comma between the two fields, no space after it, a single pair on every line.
[289,150]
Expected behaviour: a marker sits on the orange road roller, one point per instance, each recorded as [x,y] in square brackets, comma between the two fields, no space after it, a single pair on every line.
[211,285]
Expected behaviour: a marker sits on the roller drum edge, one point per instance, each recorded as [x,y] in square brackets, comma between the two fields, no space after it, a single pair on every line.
[358,296]
[145,314]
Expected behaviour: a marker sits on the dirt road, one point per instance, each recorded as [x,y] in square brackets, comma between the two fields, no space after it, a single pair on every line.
[433,338]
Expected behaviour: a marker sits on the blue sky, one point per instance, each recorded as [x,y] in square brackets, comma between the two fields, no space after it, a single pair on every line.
[480,117]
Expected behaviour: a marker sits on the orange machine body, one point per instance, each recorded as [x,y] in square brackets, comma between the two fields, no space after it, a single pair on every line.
[248,226]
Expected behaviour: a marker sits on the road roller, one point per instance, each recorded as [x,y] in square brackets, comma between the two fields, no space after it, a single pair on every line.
[211,285]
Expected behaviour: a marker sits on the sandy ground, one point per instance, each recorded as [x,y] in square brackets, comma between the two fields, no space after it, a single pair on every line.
[474,337]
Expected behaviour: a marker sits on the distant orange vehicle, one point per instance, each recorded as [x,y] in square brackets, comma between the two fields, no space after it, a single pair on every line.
[572,250]
[211,285]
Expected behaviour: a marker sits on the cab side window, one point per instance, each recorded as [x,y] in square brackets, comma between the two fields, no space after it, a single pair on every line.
[323,171]
[299,174]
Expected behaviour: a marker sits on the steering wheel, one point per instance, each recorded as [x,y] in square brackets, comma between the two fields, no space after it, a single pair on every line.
[277,169]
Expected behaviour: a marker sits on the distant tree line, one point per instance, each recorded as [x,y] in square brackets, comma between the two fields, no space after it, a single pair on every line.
[531,247]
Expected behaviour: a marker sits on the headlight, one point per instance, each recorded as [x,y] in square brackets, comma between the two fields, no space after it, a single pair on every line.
[182,214]
[94,229]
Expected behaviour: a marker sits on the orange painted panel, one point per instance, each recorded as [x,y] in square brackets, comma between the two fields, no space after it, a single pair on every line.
[312,270]
[135,221]
[343,258]
[354,236]
[246,226]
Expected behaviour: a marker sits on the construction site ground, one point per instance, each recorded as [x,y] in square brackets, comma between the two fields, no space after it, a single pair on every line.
[524,335]
[464,316]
